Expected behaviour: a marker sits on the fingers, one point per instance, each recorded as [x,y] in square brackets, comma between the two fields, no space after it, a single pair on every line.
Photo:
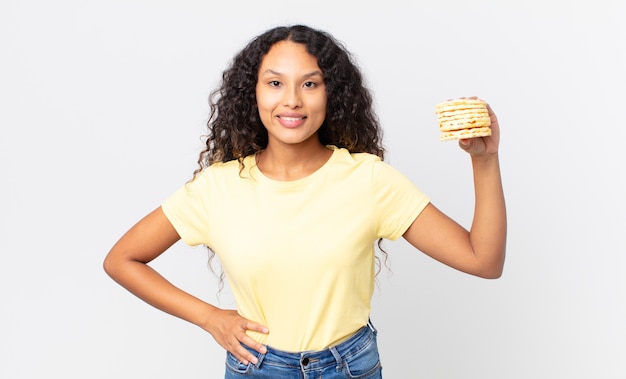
[235,345]
[251,325]
[229,330]
[248,341]
[483,145]
[246,355]
[243,355]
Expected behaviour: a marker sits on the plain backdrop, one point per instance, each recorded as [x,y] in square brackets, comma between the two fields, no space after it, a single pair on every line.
[102,106]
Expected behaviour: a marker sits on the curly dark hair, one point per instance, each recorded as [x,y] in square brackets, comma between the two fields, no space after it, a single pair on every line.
[235,127]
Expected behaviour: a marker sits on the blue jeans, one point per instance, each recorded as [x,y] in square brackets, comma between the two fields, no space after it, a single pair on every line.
[357,357]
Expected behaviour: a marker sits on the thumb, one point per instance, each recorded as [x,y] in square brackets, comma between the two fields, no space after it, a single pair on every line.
[465,144]
[471,145]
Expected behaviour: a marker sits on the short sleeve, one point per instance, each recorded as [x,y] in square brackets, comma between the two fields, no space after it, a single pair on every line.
[397,201]
[187,211]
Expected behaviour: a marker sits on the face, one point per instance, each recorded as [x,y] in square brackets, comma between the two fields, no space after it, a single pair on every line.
[291,95]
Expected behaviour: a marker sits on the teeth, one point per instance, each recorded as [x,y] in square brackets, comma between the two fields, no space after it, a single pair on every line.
[292,118]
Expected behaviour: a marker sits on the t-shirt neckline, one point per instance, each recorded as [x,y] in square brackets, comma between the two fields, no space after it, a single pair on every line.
[257,174]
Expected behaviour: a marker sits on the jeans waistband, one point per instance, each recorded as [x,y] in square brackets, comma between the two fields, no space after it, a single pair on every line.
[311,360]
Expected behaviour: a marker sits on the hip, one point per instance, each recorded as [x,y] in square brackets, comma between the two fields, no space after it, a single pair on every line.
[356,357]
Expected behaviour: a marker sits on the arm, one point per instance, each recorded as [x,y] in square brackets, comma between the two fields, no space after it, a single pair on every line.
[127,264]
[481,250]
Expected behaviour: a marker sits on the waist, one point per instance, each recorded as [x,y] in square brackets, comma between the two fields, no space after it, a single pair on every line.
[310,334]
[319,358]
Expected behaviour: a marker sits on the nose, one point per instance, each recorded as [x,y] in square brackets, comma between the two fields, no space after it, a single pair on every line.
[292,97]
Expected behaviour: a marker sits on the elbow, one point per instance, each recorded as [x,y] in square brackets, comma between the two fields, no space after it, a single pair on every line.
[492,270]
[488,267]
[110,265]
[491,274]
[107,266]
[484,271]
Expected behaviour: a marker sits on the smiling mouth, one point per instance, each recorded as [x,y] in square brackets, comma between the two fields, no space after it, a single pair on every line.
[292,119]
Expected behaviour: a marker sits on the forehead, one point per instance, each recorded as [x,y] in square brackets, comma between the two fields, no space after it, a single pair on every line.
[288,55]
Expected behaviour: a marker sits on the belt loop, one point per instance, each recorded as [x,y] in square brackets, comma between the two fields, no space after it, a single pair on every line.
[337,356]
[371,326]
[259,357]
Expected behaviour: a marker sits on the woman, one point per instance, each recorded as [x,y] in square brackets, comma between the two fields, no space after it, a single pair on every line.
[292,194]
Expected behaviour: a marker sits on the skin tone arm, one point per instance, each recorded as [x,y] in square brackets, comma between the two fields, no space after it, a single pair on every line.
[481,250]
[127,264]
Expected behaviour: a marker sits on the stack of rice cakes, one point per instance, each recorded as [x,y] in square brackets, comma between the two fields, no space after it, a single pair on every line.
[463,118]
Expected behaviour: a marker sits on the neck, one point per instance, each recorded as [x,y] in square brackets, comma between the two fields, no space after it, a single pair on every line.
[292,162]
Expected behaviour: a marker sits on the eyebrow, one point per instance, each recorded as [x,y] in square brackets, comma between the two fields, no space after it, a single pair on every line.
[307,75]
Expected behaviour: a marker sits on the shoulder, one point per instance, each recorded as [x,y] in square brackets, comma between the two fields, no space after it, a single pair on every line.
[342,155]
[228,168]
[216,175]
[365,165]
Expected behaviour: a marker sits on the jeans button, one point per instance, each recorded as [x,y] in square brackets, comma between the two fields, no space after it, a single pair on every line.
[305,361]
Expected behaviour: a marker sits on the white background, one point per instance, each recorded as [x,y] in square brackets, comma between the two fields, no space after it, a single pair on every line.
[102,105]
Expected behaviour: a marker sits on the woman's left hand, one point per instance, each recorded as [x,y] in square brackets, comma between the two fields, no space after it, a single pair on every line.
[483,145]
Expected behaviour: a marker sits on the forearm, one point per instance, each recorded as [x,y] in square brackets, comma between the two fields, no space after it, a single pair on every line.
[147,284]
[489,226]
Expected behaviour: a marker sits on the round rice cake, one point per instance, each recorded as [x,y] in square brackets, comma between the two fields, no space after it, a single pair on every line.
[460,123]
[460,104]
[465,133]
[463,118]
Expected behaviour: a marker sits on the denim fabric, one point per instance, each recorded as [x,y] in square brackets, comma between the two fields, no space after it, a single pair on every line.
[356,357]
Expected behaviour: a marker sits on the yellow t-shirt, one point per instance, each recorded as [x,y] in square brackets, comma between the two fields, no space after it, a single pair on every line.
[298,255]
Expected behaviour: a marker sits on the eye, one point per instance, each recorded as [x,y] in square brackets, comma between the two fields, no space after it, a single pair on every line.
[274,83]
[310,84]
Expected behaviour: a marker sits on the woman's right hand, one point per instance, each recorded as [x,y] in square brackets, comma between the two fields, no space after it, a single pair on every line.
[228,328]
